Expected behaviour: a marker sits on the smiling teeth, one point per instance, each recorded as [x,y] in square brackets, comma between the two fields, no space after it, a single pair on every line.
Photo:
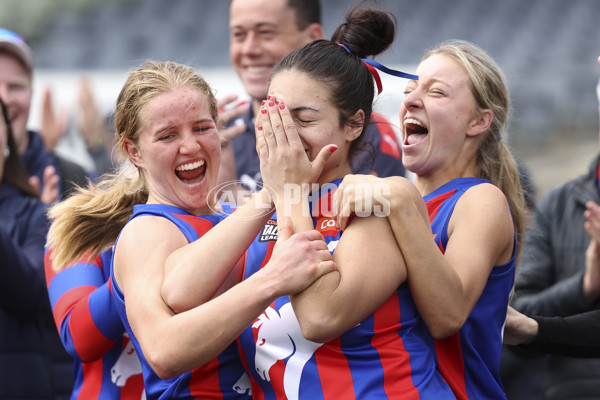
[257,70]
[188,167]
[412,121]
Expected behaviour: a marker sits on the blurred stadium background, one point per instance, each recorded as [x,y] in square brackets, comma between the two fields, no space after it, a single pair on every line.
[547,48]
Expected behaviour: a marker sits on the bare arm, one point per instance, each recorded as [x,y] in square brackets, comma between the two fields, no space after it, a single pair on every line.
[175,343]
[370,268]
[446,286]
[192,278]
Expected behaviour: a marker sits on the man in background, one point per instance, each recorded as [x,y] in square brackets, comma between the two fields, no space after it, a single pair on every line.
[559,274]
[53,176]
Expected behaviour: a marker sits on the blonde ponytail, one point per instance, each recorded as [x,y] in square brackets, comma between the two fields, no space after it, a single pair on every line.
[91,218]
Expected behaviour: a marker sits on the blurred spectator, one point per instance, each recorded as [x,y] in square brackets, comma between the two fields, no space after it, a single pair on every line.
[572,336]
[521,369]
[94,129]
[33,363]
[53,176]
[559,275]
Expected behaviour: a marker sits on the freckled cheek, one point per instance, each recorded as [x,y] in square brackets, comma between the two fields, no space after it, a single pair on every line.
[213,147]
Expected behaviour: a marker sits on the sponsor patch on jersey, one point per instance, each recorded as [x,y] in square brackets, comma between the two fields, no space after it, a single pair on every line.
[327,226]
[269,232]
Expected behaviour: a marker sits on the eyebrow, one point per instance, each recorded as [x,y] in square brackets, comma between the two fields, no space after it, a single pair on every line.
[166,128]
[255,26]
[303,108]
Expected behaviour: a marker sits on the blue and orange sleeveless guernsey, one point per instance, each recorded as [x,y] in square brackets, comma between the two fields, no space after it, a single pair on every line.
[389,355]
[223,377]
[104,363]
[469,360]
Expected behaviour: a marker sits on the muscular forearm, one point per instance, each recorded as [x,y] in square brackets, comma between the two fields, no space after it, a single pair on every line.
[189,280]
[435,286]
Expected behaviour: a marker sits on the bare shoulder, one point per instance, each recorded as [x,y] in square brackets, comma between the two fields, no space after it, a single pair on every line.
[147,240]
[148,230]
[484,197]
[484,207]
[482,220]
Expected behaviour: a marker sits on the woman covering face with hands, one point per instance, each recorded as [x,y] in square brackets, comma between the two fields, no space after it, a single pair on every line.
[355,333]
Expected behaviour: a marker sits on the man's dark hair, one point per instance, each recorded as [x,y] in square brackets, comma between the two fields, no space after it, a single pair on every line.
[307,12]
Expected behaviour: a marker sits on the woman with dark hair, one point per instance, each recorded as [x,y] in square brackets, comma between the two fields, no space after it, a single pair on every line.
[355,333]
[28,339]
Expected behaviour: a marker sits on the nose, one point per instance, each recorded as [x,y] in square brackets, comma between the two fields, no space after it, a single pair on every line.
[4,95]
[189,144]
[251,44]
[412,99]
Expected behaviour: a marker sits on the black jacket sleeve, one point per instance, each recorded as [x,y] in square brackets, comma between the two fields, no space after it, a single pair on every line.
[573,336]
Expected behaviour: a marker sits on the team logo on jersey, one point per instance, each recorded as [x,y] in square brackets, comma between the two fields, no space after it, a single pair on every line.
[269,232]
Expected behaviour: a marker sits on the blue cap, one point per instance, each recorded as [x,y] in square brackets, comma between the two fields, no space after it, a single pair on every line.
[16,45]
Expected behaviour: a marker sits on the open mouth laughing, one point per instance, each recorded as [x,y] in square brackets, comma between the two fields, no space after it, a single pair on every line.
[191,172]
[415,131]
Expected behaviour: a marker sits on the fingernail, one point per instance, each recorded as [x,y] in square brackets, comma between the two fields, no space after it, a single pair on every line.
[259,128]
[263,111]
[268,97]
[333,148]
[263,103]
[271,104]
[282,106]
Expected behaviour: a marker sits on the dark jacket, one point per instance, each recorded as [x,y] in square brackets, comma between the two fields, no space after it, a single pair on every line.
[33,363]
[550,275]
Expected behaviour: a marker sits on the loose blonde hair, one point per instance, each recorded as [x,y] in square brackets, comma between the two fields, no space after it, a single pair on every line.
[495,161]
[90,220]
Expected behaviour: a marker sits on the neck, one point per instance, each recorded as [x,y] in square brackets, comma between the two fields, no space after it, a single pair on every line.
[255,107]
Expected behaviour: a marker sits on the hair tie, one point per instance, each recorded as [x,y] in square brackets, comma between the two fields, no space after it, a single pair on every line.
[372,64]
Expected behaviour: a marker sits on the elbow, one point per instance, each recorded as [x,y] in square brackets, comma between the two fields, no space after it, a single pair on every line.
[441,328]
[320,329]
[163,363]
[176,300]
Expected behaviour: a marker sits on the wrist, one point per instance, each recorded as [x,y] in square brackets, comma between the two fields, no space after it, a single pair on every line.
[589,288]
[531,330]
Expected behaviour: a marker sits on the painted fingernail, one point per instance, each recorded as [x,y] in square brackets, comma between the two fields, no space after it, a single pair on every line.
[263,111]
[263,103]
[282,106]
[271,104]
[333,148]
[268,97]
[259,128]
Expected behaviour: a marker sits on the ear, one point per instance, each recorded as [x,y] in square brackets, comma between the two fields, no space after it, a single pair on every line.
[133,153]
[314,32]
[481,122]
[354,126]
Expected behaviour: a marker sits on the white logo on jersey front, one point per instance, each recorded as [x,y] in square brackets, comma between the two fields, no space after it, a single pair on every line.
[279,337]
[127,365]
[242,386]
